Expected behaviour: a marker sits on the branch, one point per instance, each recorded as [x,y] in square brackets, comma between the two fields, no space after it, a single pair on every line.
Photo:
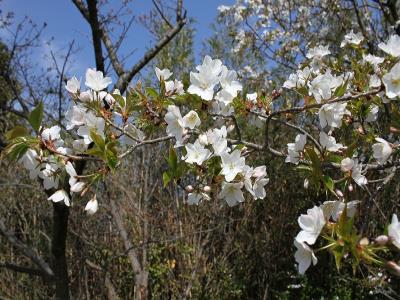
[27,251]
[96,34]
[124,80]
[26,270]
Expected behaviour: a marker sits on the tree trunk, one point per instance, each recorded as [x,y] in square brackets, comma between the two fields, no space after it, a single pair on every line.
[60,225]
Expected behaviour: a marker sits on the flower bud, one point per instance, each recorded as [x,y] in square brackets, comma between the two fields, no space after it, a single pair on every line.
[393,267]
[207,189]
[382,240]
[92,206]
[394,130]
[189,188]
[230,128]
[339,193]
[364,241]
[306,183]
[203,139]
[350,188]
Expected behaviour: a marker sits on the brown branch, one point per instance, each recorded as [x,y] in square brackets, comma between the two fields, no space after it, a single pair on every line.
[124,80]
[96,34]
[27,251]
[26,270]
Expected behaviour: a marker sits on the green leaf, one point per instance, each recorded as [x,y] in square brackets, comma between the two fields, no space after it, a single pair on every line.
[166,178]
[36,116]
[152,92]
[120,100]
[97,140]
[17,131]
[17,148]
[172,159]
[111,155]
[341,90]
[328,182]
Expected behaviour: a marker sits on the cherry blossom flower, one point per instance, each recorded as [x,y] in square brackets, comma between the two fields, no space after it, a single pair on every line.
[94,123]
[252,97]
[311,225]
[332,114]
[175,123]
[203,82]
[329,142]
[92,206]
[232,164]
[195,198]
[256,189]
[229,83]
[392,46]
[333,209]
[191,120]
[164,74]
[304,256]
[73,85]
[394,231]
[348,165]
[31,162]
[381,150]
[295,148]
[75,116]
[60,195]
[352,38]
[76,186]
[372,113]
[196,153]
[391,81]
[96,81]
[232,193]
[51,134]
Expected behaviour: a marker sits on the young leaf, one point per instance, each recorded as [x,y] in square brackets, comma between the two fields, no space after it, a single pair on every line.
[36,116]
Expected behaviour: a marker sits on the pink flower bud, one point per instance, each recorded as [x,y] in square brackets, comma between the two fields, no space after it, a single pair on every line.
[339,193]
[350,188]
[207,189]
[382,240]
[393,267]
[189,188]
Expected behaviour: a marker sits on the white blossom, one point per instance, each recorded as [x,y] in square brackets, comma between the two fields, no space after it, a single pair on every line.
[352,38]
[381,150]
[311,225]
[203,82]
[333,209]
[73,85]
[96,81]
[164,74]
[329,142]
[76,186]
[391,80]
[372,115]
[175,123]
[60,195]
[232,193]
[196,153]
[348,164]
[304,256]
[232,164]
[92,206]
[191,120]
[332,114]
[392,46]
[394,231]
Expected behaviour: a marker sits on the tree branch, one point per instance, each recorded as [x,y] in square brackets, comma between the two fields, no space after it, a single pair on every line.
[27,251]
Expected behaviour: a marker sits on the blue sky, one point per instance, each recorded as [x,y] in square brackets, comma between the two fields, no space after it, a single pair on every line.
[64,24]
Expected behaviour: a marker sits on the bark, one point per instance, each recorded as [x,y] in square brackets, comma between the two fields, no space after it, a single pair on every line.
[60,269]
